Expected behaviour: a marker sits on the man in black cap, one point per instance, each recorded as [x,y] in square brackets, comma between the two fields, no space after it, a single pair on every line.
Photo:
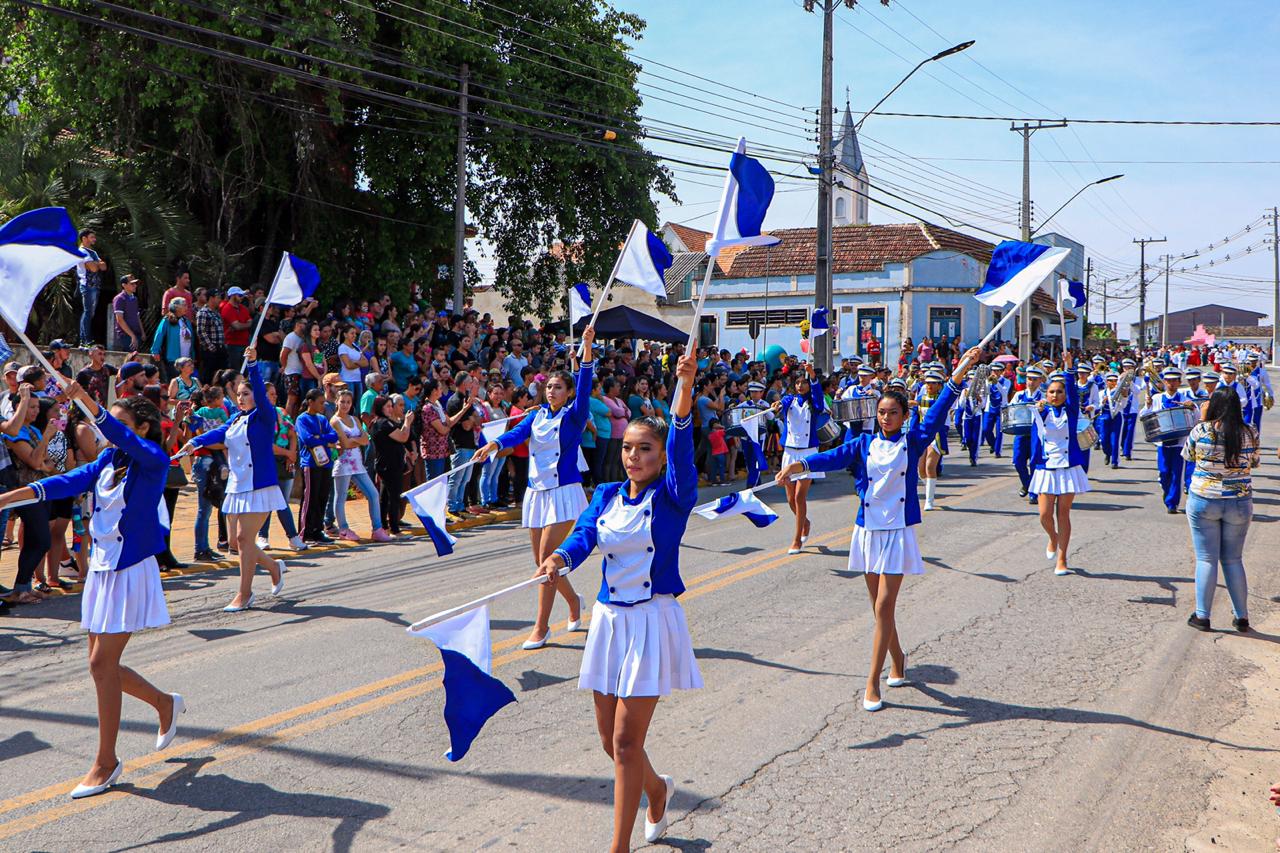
[132,379]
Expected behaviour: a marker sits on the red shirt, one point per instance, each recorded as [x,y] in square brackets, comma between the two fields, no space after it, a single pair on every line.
[718,444]
[873,347]
[232,313]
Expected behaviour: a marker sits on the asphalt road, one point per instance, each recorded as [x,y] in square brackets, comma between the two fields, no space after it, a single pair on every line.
[1045,713]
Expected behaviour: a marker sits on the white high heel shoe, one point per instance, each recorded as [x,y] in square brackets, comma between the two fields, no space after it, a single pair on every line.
[576,624]
[277,588]
[82,791]
[530,645]
[165,738]
[903,681]
[654,831]
[868,705]
[1050,554]
[231,608]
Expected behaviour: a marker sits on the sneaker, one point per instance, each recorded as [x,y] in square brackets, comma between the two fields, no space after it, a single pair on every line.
[222,543]
[208,556]
[348,535]
[263,542]
[297,544]
[324,540]
[1241,625]
[477,510]
[1199,624]
[331,529]
[381,535]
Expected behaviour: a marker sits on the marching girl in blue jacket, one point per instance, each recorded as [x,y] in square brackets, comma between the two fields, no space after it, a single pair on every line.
[554,499]
[638,648]
[252,489]
[122,591]
[801,414]
[1058,461]
[884,544]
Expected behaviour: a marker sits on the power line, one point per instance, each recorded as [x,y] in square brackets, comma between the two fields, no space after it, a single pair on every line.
[1119,121]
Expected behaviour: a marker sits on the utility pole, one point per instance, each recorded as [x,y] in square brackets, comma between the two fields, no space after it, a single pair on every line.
[1142,285]
[1024,318]
[1088,292]
[460,195]
[1164,322]
[1275,296]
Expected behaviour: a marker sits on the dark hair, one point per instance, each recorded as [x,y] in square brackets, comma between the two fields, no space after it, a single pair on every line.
[143,411]
[657,426]
[564,376]
[42,417]
[429,386]
[899,398]
[313,394]
[85,232]
[380,402]
[1225,413]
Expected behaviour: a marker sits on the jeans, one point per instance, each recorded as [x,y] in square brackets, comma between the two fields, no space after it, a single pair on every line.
[285,515]
[364,483]
[89,296]
[718,463]
[436,467]
[1218,528]
[200,467]
[489,480]
[458,479]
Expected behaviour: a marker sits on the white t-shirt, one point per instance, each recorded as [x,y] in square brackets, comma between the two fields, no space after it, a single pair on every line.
[350,376]
[293,364]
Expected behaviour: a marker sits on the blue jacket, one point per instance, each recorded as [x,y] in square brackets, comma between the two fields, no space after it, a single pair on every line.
[256,426]
[167,343]
[671,498]
[818,416]
[572,420]
[1075,456]
[314,431]
[918,433]
[140,531]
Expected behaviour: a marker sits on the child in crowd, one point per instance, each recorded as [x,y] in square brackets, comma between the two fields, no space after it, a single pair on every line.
[719,454]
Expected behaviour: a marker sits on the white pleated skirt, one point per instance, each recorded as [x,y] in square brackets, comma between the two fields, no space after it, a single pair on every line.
[124,601]
[545,507]
[795,454]
[1059,481]
[885,552]
[643,650]
[266,499]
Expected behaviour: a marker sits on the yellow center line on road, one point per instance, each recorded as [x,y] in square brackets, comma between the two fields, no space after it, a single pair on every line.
[259,740]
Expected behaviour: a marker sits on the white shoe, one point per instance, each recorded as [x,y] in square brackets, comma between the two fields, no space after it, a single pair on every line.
[930,491]
[263,542]
[165,738]
[871,706]
[793,550]
[928,505]
[1061,572]
[82,791]
[900,682]
[654,831]
[576,624]
[297,544]
[530,645]
[1050,554]
[277,587]
[231,608]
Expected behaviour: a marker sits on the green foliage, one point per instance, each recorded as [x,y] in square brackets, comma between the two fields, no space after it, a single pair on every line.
[364,188]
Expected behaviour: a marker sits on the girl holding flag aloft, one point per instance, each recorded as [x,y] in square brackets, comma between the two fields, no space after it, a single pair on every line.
[122,592]
[801,413]
[1058,461]
[638,648]
[884,546]
[554,499]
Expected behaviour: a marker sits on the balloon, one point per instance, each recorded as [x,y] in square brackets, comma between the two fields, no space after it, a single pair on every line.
[773,356]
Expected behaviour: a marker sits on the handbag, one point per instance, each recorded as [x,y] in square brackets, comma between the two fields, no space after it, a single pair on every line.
[175,477]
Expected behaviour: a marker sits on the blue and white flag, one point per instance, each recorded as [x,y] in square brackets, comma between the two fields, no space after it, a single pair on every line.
[35,247]
[740,503]
[748,432]
[471,694]
[748,189]
[296,280]
[644,261]
[6,351]
[1016,271]
[580,302]
[1070,294]
[430,503]
[818,324]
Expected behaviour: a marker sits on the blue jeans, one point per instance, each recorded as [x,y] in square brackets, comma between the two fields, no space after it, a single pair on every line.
[1218,528]
[718,463]
[458,480]
[200,473]
[489,480]
[364,483]
[285,515]
[89,296]
[436,467]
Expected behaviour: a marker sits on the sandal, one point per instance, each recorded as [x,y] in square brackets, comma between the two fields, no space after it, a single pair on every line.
[40,586]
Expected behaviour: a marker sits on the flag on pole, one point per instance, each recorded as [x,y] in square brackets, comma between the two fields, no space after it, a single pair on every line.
[1070,294]
[749,433]
[471,694]
[1016,271]
[6,351]
[818,324]
[644,261]
[748,191]
[740,503]
[296,280]
[493,430]
[429,502]
[35,247]
[580,302]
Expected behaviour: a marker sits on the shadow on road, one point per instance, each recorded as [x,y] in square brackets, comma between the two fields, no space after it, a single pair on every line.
[22,639]
[731,654]
[991,576]
[1165,583]
[23,743]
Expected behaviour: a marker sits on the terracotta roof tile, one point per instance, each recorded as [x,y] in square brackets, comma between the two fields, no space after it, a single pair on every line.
[693,239]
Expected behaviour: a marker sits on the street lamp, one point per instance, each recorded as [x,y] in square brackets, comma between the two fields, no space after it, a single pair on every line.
[1073,198]
[942,55]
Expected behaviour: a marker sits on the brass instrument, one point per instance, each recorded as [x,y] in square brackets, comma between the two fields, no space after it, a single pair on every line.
[980,388]
[1153,377]
[1268,399]
[1124,388]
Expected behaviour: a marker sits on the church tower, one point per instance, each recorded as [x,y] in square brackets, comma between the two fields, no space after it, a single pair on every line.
[849,205]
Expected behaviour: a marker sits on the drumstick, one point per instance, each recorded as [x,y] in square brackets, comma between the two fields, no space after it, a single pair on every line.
[758,414]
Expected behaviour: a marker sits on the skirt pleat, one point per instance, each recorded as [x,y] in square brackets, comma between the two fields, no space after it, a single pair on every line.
[124,601]
[642,650]
[885,552]
[1059,481]
[795,454]
[545,507]
[266,499]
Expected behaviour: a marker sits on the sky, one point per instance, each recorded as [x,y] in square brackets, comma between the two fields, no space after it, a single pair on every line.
[1140,59]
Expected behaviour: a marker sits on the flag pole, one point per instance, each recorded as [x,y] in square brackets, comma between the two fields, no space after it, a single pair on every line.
[1062,323]
[284,256]
[568,313]
[461,467]
[445,615]
[608,283]
[991,335]
[58,378]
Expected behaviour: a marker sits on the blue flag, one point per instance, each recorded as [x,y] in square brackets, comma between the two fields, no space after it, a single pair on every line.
[748,190]
[1016,271]
[740,503]
[35,247]
[295,281]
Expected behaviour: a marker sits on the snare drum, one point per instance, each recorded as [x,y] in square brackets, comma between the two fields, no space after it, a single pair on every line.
[1086,435]
[828,433]
[854,409]
[1169,424]
[1017,418]
[735,416]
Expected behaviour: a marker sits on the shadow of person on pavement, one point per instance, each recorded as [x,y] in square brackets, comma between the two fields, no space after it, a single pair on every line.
[23,743]
[733,654]
[991,576]
[1164,582]
[249,801]
[23,639]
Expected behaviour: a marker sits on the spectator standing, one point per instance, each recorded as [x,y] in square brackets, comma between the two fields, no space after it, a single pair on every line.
[603,431]
[174,338]
[237,324]
[59,356]
[873,350]
[316,438]
[719,453]
[403,364]
[179,290]
[211,340]
[619,417]
[126,320]
[28,450]
[270,342]
[462,440]
[208,468]
[515,361]
[291,363]
[390,434]
[434,443]
[97,378]
[89,277]
[285,452]
[352,358]
[350,469]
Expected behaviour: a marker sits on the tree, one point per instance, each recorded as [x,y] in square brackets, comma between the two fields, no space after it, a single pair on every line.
[328,128]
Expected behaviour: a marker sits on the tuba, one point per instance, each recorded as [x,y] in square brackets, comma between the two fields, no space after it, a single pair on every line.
[1124,387]
[980,390]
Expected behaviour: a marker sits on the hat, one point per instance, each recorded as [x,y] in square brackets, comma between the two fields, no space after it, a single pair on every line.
[933,377]
[755,386]
[1253,356]
[1192,373]
[897,383]
[866,371]
[332,379]
[12,367]
[29,372]
[1057,376]
[1113,375]
[128,370]
[1128,362]
[1097,359]
[1035,372]
[236,291]
[853,359]
[1171,373]
[126,278]
[971,374]
[1211,377]
[59,343]
[1083,368]
[1228,368]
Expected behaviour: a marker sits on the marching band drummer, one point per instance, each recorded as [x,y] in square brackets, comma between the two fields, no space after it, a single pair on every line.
[1088,393]
[122,592]
[884,546]
[930,461]
[554,499]
[638,648]
[999,390]
[801,413]
[864,388]
[971,410]
[1169,452]
[1033,393]
[1059,462]
[253,492]
[1112,420]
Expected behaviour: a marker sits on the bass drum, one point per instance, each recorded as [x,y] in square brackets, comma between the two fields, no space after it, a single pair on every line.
[1017,418]
[1086,435]
[829,433]
[1169,424]
[853,409]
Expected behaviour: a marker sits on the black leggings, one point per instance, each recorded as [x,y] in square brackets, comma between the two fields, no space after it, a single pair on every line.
[36,541]
[317,487]
[390,504]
